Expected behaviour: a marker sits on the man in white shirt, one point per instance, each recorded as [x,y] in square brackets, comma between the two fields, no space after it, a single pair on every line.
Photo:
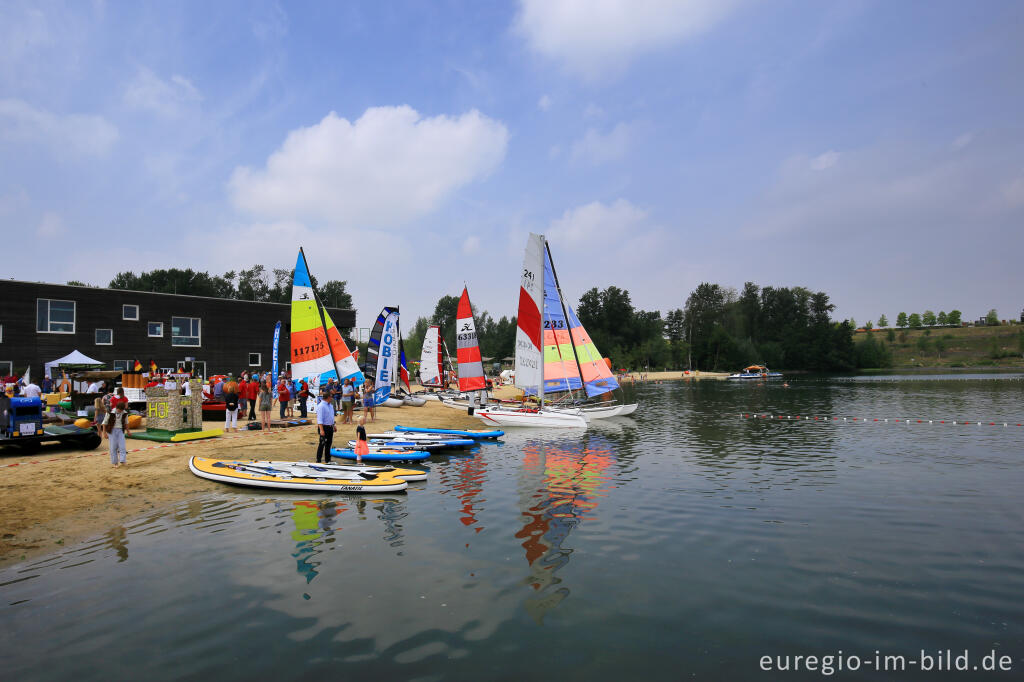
[31,390]
[94,387]
[325,425]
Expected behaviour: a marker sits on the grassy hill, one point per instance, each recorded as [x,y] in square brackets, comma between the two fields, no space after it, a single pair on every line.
[987,347]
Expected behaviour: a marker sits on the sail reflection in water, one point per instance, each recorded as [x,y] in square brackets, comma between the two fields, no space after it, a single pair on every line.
[316,523]
[466,476]
[562,486]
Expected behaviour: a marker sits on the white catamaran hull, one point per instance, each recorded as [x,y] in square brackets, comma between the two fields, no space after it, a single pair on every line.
[601,412]
[414,401]
[627,410]
[545,418]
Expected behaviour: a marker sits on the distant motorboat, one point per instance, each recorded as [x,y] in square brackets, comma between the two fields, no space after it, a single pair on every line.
[756,372]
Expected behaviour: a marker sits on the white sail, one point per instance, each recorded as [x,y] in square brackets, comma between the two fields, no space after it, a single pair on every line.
[430,357]
[529,358]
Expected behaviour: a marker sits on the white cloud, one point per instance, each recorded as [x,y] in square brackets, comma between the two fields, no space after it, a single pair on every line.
[544,103]
[79,134]
[51,226]
[962,141]
[824,161]
[471,245]
[597,223]
[165,97]
[593,111]
[596,147]
[595,38]
[386,168]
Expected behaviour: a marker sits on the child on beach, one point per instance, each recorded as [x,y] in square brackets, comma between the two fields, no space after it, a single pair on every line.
[362,447]
[266,400]
[369,407]
[116,426]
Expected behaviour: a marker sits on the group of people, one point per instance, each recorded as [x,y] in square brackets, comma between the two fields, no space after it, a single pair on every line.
[343,395]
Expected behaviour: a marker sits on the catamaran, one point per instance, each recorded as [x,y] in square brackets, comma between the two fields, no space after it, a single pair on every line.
[531,350]
[318,352]
[432,368]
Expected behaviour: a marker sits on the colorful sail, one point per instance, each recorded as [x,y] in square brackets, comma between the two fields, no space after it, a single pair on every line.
[403,369]
[560,370]
[311,356]
[471,369]
[431,364]
[597,378]
[344,362]
[382,354]
[531,303]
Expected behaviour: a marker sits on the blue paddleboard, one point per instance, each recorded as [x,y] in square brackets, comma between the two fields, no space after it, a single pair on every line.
[382,456]
[475,433]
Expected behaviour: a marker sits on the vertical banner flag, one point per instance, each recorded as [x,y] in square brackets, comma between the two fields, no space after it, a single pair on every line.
[277,339]
[387,360]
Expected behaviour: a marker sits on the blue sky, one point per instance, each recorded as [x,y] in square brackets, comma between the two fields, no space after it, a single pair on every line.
[873,150]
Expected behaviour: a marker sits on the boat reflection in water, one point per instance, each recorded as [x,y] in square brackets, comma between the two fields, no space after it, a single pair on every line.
[561,487]
[466,476]
[316,522]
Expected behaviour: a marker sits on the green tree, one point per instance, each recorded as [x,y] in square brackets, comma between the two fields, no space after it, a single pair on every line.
[883,321]
[333,294]
[928,318]
[942,319]
[914,321]
[992,318]
[901,320]
[923,343]
[940,346]
[869,325]
[953,319]
[891,335]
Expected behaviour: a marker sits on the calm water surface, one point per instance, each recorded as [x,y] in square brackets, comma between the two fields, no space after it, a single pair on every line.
[687,541]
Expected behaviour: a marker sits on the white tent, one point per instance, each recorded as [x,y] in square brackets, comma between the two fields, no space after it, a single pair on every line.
[73,360]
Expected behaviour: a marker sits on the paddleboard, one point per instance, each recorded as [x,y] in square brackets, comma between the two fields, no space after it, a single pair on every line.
[263,475]
[377,444]
[383,455]
[404,474]
[470,433]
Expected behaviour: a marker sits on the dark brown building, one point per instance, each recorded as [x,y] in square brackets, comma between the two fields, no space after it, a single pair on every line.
[42,322]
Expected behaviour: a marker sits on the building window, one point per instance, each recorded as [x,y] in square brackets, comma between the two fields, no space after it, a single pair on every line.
[54,316]
[254,359]
[129,312]
[6,368]
[104,337]
[185,331]
[156,329]
[121,365]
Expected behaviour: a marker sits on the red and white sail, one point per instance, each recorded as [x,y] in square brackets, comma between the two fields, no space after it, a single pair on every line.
[431,364]
[471,369]
[529,360]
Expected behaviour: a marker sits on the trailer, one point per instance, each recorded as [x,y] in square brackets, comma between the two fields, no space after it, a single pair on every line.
[21,426]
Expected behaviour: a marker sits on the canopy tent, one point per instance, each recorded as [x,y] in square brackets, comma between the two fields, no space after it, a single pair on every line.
[73,360]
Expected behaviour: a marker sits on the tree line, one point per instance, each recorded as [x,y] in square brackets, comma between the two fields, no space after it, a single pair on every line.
[252,284]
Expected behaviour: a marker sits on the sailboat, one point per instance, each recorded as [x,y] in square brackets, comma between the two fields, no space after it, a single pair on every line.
[471,368]
[434,357]
[531,360]
[318,352]
[383,357]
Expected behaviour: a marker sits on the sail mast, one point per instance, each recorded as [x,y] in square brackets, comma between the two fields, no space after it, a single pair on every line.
[565,314]
[540,384]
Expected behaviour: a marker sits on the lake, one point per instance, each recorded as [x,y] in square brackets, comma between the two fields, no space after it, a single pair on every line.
[690,540]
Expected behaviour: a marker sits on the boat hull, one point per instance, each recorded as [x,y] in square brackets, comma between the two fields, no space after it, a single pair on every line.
[470,433]
[539,418]
[257,475]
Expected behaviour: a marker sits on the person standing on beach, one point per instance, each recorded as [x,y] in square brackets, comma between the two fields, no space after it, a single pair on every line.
[252,393]
[243,394]
[283,396]
[116,425]
[325,425]
[369,408]
[303,397]
[362,447]
[230,406]
[266,400]
[347,401]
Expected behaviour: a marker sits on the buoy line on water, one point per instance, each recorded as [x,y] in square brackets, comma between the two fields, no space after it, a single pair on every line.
[868,420]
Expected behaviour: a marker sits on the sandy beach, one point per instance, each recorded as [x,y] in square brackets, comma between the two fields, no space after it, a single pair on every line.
[63,496]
